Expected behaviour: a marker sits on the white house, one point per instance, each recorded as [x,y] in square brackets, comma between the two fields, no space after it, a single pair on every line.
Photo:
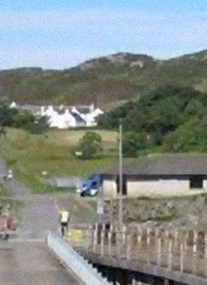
[71,117]
[64,117]
[13,105]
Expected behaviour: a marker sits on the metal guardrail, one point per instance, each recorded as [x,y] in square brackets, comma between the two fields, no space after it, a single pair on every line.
[80,266]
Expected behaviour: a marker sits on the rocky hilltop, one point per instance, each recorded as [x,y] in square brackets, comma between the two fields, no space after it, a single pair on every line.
[105,81]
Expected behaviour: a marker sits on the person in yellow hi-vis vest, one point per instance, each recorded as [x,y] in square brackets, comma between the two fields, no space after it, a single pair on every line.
[64,221]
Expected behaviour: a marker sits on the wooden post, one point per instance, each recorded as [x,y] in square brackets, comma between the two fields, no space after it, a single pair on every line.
[148,236]
[159,247]
[176,241]
[165,247]
[95,237]
[118,241]
[103,239]
[139,242]
[170,254]
[128,246]
[111,211]
[205,254]
[109,242]
[134,282]
[186,237]
[124,235]
[148,245]
[195,237]
[181,257]
[89,241]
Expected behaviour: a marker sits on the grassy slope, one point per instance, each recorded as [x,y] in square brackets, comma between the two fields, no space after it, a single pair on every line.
[102,84]
[29,155]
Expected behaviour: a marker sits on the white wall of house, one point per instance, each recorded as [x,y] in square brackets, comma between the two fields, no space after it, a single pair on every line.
[205,184]
[157,187]
[62,121]
[109,188]
[153,187]
[66,119]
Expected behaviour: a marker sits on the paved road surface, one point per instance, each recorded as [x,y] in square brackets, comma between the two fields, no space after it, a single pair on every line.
[27,260]
[30,263]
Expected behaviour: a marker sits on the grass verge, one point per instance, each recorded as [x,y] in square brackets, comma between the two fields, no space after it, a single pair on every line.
[30,155]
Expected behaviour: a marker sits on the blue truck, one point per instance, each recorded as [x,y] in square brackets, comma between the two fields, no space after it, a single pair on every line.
[90,186]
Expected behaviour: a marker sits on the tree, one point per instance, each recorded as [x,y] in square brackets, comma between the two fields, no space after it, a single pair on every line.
[7,116]
[22,118]
[89,145]
[191,136]
[133,142]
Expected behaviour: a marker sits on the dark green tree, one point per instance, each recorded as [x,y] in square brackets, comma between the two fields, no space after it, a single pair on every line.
[7,116]
[191,136]
[22,118]
[133,142]
[89,145]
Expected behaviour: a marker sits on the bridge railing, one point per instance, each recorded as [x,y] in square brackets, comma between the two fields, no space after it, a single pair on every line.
[76,263]
[183,251]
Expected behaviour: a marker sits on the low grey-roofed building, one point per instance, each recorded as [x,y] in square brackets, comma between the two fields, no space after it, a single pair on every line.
[159,174]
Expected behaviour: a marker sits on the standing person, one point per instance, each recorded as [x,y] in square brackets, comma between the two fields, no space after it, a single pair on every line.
[10,174]
[64,221]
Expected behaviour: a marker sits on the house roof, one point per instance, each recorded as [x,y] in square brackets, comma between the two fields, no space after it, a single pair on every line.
[78,118]
[164,165]
[83,109]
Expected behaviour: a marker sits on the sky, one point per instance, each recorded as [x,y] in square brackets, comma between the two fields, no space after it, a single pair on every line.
[58,34]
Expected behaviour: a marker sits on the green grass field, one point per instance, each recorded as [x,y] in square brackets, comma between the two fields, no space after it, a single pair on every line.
[29,155]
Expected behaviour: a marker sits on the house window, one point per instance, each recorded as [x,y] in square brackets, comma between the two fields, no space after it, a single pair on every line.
[196,182]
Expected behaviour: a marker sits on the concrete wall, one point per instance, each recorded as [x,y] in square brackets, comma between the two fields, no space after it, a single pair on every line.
[205,184]
[109,188]
[161,187]
[157,187]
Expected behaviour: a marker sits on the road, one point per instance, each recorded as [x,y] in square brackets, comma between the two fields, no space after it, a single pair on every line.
[26,259]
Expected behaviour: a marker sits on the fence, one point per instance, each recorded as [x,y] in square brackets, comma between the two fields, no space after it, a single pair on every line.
[71,259]
[183,251]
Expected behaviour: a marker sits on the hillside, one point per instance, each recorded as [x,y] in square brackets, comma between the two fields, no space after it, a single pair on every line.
[105,81]
[168,119]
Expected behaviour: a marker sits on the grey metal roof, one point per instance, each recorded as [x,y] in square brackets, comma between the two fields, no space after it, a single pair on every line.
[166,164]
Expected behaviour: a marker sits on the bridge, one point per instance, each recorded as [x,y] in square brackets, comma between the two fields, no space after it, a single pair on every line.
[146,256]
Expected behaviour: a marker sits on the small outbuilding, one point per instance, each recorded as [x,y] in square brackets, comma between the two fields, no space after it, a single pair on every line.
[167,174]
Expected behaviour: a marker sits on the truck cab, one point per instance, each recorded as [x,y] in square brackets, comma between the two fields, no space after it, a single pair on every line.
[90,186]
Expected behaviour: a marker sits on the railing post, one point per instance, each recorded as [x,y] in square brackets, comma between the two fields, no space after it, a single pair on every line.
[128,246]
[89,237]
[165,246]
[148,245]
[186,237]
[170,254]
[109,242]
[148,236]
[205,254]
[102,239]
[139,242]
[181,257]
[176,241]
[95,237]
[159,247]
[118,241]
[195,237]
[123,240]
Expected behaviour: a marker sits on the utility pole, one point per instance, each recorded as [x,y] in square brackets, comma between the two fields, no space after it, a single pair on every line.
[100,204]
[120,177]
